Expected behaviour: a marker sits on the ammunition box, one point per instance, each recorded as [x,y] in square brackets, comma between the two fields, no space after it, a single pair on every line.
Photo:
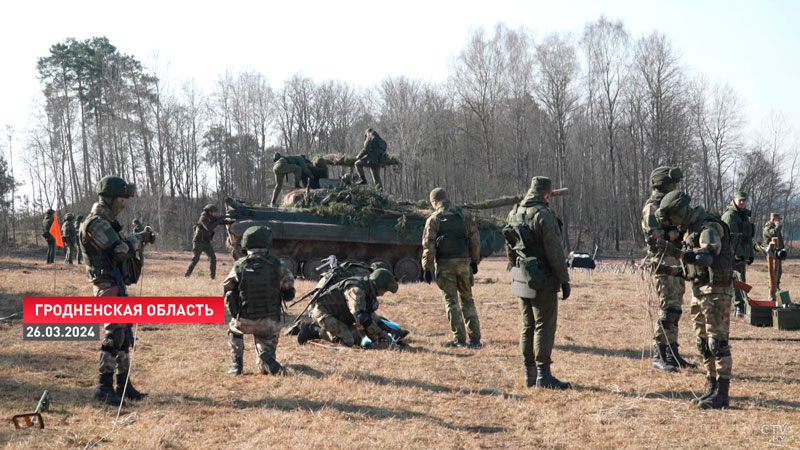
[786,318]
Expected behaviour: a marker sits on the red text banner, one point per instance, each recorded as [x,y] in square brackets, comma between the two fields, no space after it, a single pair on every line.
[123,309]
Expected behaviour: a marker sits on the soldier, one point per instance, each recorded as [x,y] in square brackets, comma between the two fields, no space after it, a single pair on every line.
[737,217]
[204,235]
[451,249]
[78,222]
[138,228]
[774,230]
[255,290]
[345,312]
[70,235]
[284,165]
[539,270]
[110,266]
[669,288]
[319,170]
[709,264]
[371,155]
[47,222]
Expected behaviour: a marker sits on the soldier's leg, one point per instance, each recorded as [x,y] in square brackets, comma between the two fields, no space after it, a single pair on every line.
[336,331]
[376,175]
[699,317]
[123,368]
[468,309]
[51,250]
[208,248]
[360,168]
[545,313]
[80,254]
[266,343]
[717,309]
[447,281]
[236,346]
[279,175]
[738,295]
[527,327]
[197,250]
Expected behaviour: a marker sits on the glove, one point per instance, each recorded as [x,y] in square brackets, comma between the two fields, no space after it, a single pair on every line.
[565,291]
[148,235]
[474,267]
[689,257]
[427,276]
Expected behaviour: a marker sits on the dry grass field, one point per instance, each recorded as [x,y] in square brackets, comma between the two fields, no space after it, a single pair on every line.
[428,397]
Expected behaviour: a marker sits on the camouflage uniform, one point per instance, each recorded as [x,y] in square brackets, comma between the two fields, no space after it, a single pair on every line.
[451,249]
[670,289]
[78,223]
[254,291]
[70,236]
[47,222]
[769,232]
[138,228]
[319,169]
[285,165]
[371,155]
[533,238]
[742,233]
[709,264]
[108,258]
[203,237]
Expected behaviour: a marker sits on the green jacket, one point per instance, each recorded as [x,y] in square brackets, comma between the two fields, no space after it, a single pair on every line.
[770,231]
[742,231]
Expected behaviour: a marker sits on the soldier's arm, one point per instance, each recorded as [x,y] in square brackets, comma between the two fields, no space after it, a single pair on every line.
[429,242]
[356,300]
[551,240]
[205,222]
[474,238]
[305,168]
[231,282]
[104,237]
[287,283]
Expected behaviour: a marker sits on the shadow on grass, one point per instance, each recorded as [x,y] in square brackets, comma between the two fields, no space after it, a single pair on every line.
[307,370]
[736,401]
[625,352]
[386,381]
[745,338]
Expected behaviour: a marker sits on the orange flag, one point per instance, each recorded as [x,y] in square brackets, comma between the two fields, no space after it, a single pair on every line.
[55,231]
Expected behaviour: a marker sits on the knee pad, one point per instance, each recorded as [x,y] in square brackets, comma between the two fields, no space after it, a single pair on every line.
[673,314]
[702,347]
[720,348]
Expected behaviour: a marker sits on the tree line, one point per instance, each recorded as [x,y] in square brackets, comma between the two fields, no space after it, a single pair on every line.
[595,111]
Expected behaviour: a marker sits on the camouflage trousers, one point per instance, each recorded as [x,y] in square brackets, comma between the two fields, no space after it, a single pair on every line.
[739,273]
[538,333]
[118,338]
[198,248]
[712,319]
[265,333]
[281,169]
[70,248]
[670,298]
[51,249]
[374,169]
[454,278]
[335,330]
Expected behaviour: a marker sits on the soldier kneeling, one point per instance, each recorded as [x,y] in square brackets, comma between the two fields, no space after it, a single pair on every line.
[254,293]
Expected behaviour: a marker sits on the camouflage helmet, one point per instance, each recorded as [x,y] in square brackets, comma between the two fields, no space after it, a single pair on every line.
[775,216]
[50,211]
[79,219]
[115,187]
[662,177]
[437,195]
[674,208]
[257,236]
[541,184]
[383,280]
[69,217]
[379,264]
[276,157]
[210,208]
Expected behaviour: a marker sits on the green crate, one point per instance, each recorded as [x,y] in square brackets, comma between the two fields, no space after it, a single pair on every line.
[760,316]
[786,318]
[782,298]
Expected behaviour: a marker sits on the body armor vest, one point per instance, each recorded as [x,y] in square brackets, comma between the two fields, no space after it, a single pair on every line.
[452,241]
[259,286]
[333,301]
[720,273]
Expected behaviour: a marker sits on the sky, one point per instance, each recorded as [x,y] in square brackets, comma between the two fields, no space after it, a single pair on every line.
[751,45]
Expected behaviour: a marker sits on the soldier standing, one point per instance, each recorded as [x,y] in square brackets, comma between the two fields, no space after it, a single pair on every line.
[70,235]
[138,228]
[255,289]
[203,236]
[285,165]
[78,222]
[47,222]
[451,250]
[539,270]
[737,217]
[669,288]
[709,264]
[345,312]
[371,155]
[774,230]
[110,267]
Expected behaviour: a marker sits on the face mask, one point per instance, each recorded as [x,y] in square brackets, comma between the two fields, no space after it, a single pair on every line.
[117,205]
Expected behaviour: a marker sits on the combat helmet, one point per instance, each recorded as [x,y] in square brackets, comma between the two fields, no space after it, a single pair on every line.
[50,212]
[257,236]
[383,280]
[210,208]
[663,178]
[115,187]
[674,208]
[69,217]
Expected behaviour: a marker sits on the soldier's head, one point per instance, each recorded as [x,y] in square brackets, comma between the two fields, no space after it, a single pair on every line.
[69,217]
[211,209]
[740,199]
[276,157]
[114,191]
[368,132]
[674,209]
[541,186]
[50,212]
[437,196]
[380,264]
[257,236]
[79,219]
[136,222]
[384,281]
[775,218]
[665,179]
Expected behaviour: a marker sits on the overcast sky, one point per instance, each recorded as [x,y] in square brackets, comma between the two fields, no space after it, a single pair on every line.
[753,45]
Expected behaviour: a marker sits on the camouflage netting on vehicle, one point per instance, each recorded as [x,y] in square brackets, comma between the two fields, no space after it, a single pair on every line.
[347,160]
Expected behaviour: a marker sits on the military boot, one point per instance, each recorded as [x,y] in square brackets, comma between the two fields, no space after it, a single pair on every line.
[237,363]
[720,398]
[105,390]
[739,310]
[307,332]
[660,361]
[545,379]
[530,375]
[681,362]
[275,368]
[131,391]
[711,388]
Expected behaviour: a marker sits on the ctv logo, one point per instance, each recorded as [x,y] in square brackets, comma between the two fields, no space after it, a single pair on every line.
[777,433]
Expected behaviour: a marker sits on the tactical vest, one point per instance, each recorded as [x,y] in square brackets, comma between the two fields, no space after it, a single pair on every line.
[452,241]
[529,246]
[98,265]
[720,274]
[347,269]
[333,301]
[259,286]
